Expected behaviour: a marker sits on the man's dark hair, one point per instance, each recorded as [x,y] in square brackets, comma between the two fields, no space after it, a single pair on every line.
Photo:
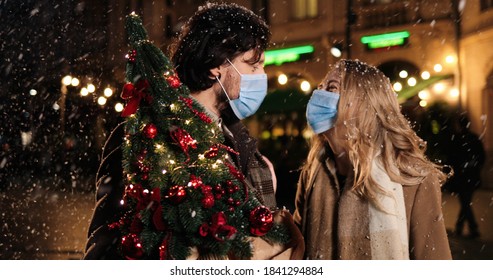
[215,33]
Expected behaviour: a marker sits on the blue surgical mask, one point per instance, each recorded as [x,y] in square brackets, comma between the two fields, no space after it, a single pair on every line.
[321,111]
[253,89]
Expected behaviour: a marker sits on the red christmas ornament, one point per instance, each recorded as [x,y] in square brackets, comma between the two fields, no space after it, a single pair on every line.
[173,81]
[208,201]
[150,131]
[261,220]
[176,194]
[131,247]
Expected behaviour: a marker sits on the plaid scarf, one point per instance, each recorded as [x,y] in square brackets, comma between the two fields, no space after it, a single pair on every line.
[250,162]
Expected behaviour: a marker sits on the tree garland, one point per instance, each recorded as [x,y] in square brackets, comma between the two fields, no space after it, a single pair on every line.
[182,191]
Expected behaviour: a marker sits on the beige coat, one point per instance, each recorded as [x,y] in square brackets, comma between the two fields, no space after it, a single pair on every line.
[317,209]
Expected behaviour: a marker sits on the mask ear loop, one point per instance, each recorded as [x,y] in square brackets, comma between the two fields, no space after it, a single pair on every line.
[221,84]
[233,66]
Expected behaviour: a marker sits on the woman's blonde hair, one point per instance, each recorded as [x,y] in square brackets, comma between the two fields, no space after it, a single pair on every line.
[369,110]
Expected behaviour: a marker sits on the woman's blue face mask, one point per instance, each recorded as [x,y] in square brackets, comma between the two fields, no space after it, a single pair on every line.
[321,111]
[253,89]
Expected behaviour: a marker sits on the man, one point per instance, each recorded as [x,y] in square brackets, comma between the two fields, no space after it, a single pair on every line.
[467,161]
[219,57]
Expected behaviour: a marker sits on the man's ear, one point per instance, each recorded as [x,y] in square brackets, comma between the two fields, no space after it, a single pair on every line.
[216,72]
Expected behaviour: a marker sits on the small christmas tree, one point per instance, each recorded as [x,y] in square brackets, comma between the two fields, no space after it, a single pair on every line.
[182,192]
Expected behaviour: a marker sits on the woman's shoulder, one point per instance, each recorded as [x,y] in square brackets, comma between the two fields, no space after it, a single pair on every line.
[430,183]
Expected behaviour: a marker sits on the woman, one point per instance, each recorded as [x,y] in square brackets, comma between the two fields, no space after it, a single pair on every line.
[367,191]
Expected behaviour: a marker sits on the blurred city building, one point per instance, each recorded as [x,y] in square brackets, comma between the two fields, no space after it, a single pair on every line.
[436,53]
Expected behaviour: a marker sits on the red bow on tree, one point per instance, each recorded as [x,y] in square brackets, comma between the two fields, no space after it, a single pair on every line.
[184,140]
[146,199]
[219,229]
[134,94]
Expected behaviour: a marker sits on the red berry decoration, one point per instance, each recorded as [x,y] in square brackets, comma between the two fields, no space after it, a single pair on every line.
[176,194]
[173,81]
[208,201]
[212,152]
[130,56]
[195,181]
[133,190]
[150,131]
[132,247]
[261,220]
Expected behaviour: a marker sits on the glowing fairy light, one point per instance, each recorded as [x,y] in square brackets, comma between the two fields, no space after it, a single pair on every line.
[397,86]
[118,107]
[403,74]
[91,88]
[282,79]
[425,75]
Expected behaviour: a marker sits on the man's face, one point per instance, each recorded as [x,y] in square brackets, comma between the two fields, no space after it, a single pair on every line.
[244,65]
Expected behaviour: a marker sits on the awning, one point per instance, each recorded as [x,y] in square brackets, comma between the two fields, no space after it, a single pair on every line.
[283,101]
[412,91]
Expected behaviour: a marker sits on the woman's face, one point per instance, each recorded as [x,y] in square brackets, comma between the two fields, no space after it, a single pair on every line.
[336,136]
[332,81]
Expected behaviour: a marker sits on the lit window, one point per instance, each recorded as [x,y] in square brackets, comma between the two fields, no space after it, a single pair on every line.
[303,9]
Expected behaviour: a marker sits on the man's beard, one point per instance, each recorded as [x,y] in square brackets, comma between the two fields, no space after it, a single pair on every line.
[222,101]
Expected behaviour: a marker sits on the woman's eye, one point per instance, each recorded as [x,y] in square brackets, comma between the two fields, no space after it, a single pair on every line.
[255,68]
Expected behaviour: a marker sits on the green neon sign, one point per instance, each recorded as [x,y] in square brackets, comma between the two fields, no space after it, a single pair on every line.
[385,40]
[281,56]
